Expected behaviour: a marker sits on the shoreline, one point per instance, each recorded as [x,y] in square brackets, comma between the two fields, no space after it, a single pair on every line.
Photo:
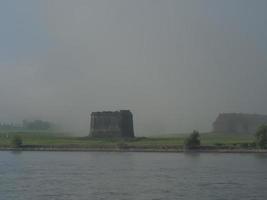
[262,151]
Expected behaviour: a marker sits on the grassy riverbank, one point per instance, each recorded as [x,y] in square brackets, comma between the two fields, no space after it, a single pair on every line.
[175,142]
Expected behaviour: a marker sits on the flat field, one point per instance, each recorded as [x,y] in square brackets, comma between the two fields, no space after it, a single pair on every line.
[175,141]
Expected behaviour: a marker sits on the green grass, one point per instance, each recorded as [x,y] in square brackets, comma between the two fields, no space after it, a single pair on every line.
[226,139]
[50,139]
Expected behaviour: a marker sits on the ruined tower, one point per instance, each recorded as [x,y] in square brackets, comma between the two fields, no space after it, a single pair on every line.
[112,124]
[238,123]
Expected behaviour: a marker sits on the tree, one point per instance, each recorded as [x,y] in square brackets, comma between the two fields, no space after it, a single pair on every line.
[16,141]
[37,125]
[193,140]
[261,137]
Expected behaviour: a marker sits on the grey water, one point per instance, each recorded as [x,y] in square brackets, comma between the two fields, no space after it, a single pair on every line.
[133,176]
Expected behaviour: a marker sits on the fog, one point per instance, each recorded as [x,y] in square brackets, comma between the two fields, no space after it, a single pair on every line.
[175,64]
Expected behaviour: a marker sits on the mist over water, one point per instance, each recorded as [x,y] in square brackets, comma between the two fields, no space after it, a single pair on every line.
[175,64]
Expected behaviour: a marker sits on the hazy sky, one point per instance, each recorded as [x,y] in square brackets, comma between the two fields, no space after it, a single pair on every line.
[176,64]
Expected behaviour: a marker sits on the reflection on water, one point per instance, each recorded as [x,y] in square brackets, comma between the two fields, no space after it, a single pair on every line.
[99,175]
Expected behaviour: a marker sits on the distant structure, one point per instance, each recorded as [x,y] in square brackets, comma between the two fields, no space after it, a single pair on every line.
[238,123]
[112,124]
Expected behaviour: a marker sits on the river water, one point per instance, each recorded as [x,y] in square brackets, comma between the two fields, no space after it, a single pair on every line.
[133,176]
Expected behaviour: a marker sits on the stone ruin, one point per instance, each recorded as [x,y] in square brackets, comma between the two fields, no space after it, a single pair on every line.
[112,124]
[238,123]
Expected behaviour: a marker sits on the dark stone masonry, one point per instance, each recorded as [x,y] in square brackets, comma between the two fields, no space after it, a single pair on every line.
[238,123]
[112,124]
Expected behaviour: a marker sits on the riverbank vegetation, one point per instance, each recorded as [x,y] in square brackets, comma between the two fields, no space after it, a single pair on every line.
[193,140]
[61,140]
[261,137]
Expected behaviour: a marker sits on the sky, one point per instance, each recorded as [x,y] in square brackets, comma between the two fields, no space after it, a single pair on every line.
[176,64]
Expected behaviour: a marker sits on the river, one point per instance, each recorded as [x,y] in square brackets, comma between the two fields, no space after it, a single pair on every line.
[132,176]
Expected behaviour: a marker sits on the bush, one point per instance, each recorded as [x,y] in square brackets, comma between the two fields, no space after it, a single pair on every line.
[193,141]
[16,141]
[219,144]
[261,137]
[244,145]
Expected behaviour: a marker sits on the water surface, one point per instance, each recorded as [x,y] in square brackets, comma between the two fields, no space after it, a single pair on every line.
[133,176]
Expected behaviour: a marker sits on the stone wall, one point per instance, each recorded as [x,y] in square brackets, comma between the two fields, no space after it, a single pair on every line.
[238,123]
[112,124]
